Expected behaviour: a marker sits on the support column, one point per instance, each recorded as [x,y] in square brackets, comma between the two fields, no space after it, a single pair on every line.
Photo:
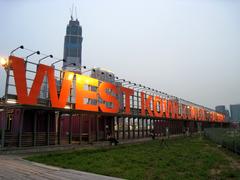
[4,117]
[129,134]
[80,128]
[70,129]
[133,128]
[112,122]
[97,128]
[59,128]
[48,128]
[89,130]
[161,127]
[138,127]
[151,125]
[143,127]
[117,127]
[20,129]
[35,129]
[123,136]
[105,133]
[146,127]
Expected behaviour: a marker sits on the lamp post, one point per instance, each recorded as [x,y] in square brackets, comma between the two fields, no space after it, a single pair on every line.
[119,80]
[140,87]
[80,68]
[61,60]
[20,47]
[84,67]
[74,64]
[92,69]
[39,61]
[36,52]
[7,69]
[132,85]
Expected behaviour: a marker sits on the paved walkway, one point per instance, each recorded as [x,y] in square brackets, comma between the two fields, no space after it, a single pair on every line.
[14,167]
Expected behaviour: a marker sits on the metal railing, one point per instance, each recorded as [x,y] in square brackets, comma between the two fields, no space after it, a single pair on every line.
[226,137]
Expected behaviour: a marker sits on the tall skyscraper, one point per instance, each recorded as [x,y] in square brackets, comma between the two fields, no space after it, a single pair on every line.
[73,45]
[235,112]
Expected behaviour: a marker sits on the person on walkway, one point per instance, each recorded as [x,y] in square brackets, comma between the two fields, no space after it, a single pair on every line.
[112,140]
[152,133]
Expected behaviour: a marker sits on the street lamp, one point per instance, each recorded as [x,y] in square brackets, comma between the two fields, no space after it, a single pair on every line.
[140,87]
[84,67]
[36,52]
[92,69]
[20,47]
[74,64]
[80,68]
[131,85]
[119,80]
[61,60]
[129,82]
[51,56]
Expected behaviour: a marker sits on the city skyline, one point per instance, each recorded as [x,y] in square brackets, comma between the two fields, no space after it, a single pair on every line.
[105,46]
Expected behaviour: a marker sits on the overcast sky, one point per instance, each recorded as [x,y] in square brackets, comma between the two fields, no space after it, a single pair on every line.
[187,48]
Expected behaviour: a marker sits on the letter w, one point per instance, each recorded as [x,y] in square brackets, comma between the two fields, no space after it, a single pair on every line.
[19,73]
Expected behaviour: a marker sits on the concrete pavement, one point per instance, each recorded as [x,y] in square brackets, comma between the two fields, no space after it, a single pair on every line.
[14,167]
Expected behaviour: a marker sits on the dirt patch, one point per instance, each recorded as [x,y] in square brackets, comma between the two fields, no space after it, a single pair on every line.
[215,172]
[232,158]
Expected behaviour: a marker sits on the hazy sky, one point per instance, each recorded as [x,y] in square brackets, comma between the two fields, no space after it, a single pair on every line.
[187,48]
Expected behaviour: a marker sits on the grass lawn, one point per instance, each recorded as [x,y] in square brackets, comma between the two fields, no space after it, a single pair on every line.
[185,158]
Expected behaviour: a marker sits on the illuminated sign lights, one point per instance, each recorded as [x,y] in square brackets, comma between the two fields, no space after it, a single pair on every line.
[153,106]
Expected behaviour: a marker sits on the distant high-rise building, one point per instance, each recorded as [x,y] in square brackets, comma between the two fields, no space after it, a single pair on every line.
[73,45]
[235,112]
[220,109]
[223,110]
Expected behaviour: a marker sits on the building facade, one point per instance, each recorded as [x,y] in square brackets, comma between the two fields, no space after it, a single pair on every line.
[73,45]
[235,112]
[222,109]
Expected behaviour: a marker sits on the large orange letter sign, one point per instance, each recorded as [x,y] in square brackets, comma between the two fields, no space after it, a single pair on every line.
[128,92]
[84,97]
[149,102]
[65,90]
[146,105]
[19,73]
[92,96]
[169,108]
[158,103]
[108,98]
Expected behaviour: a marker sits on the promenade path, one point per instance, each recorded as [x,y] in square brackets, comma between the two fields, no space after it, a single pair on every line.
[14,167]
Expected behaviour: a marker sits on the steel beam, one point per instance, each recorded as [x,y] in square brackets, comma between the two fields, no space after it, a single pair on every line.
[35,129]
[21,128]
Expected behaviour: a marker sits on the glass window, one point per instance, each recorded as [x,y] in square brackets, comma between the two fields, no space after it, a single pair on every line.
[73,40]
[74,30]
[73,52]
